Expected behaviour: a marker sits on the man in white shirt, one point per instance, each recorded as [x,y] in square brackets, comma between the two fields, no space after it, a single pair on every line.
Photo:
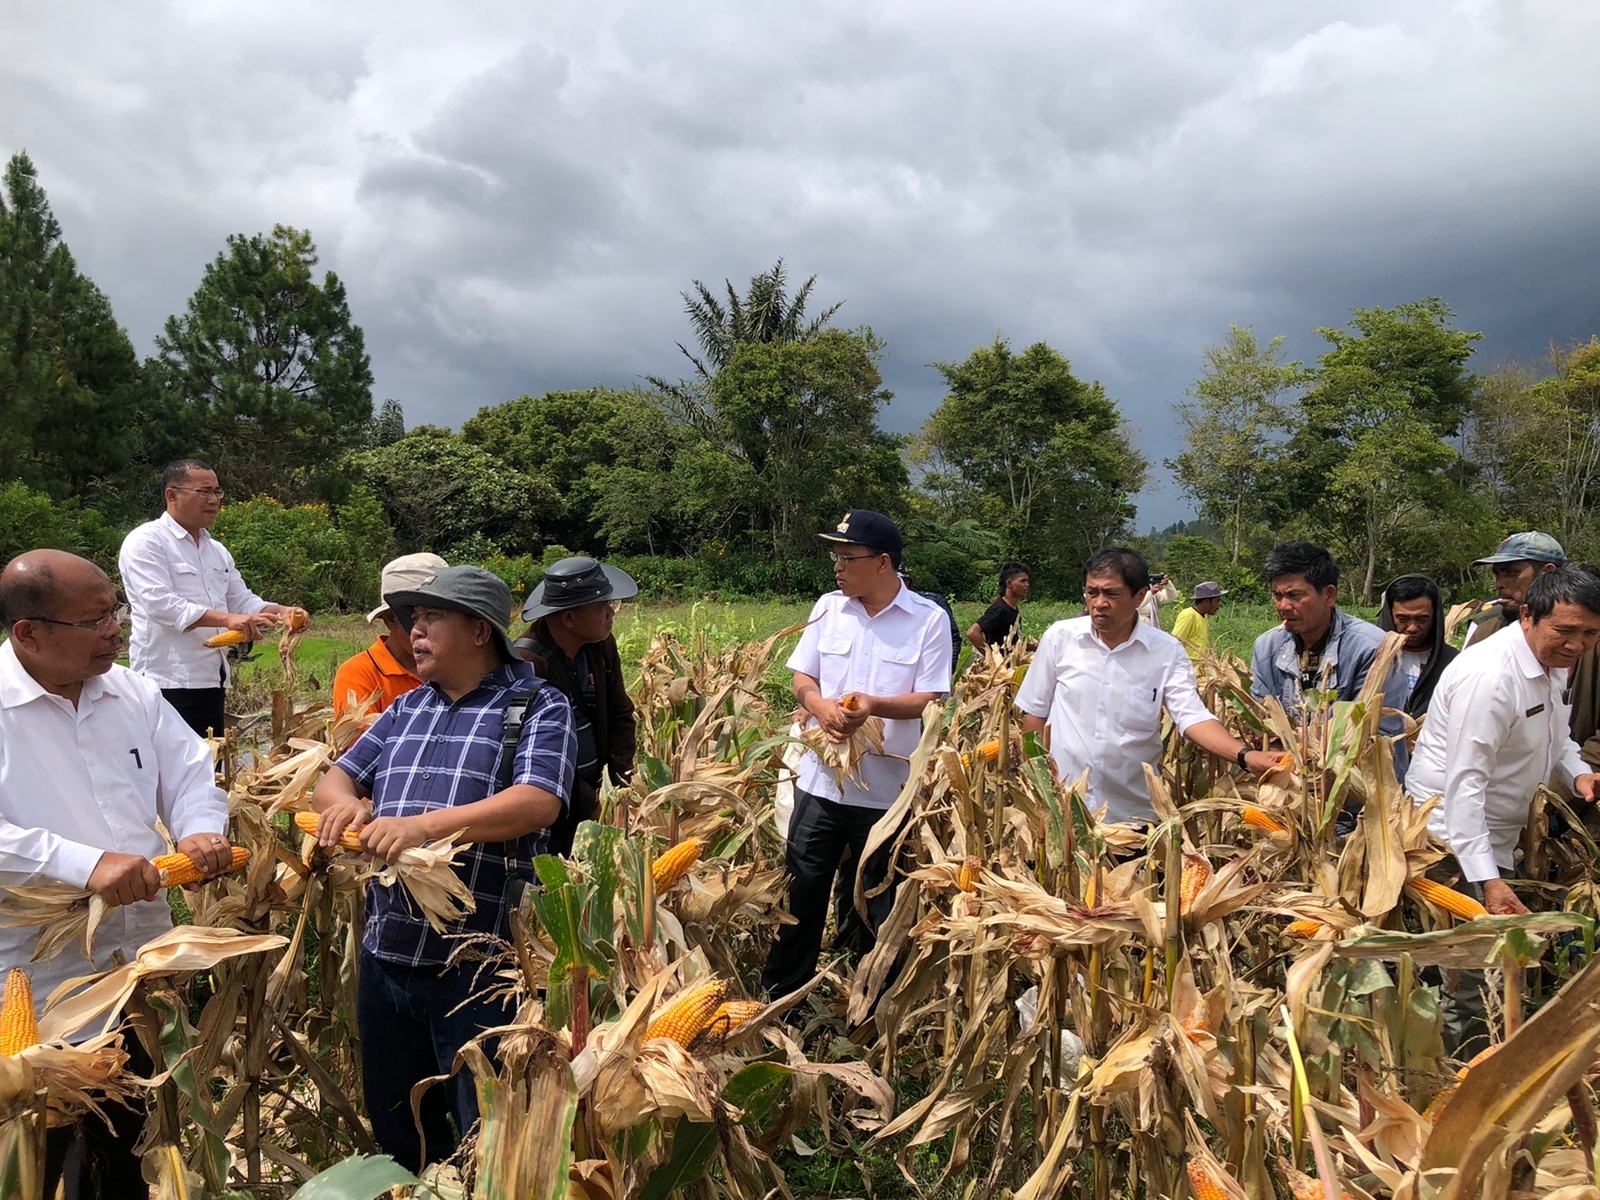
[1498,727]
[881,643]
[183,588]
[90,758]
[1098,684]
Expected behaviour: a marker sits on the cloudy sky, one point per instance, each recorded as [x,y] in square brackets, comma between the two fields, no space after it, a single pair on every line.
[516,194]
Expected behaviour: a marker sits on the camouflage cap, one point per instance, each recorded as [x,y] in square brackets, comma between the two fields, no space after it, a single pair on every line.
[1526,547]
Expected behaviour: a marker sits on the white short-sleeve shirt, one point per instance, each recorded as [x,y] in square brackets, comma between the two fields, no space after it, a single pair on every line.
[905,648]
[76,781]
[1103,707]
[170,581]
[1498,726]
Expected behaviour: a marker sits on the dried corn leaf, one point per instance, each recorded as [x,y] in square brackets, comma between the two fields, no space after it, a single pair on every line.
[429,876]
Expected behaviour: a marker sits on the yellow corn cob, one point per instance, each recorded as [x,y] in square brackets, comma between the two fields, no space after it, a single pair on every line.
[1088,893]
[1431,1113]
[988,751]
[675,863]
[1303,928]
[298,619]
[1449,899]
[179,869]
[967,881]
[686,1016]
[729,1016]
[306,822]
[228,637]
[1196,874]
[19,1025]
[1205,1187]
[1257,818]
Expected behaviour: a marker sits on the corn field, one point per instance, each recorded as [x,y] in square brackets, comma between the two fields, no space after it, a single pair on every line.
[1234,1002]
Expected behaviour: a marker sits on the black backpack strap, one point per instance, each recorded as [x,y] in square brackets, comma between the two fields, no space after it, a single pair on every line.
[511,737]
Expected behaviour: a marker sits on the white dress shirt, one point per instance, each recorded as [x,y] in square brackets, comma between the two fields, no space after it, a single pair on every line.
[77,781]
[170,582]
[1497,728]
[1103,707]
[904,649]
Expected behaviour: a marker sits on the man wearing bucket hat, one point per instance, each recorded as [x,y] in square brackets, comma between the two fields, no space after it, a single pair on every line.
[483,750]
[1518,561]
[571,643]
[385,669]
[1193,626]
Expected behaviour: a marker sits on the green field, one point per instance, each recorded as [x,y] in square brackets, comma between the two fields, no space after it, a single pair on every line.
[336,637]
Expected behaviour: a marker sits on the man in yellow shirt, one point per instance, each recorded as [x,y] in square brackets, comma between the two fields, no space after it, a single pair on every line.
[1193,626]
[386,668]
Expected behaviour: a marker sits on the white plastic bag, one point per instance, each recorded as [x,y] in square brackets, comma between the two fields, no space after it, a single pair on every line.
[1071,1044]
[783,806]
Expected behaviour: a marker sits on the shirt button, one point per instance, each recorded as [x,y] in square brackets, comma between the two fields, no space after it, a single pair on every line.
[425,775]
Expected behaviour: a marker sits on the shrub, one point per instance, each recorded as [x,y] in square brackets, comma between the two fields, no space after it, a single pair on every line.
[302,554]
[30,520]
[1191,560]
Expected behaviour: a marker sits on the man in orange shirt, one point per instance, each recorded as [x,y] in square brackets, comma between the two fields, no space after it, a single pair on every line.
[386,668]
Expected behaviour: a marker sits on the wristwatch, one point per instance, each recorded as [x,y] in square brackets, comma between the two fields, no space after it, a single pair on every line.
[1239,757]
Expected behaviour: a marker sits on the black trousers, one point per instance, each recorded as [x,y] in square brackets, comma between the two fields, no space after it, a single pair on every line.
[200,708]
[820,833]
[96,1162]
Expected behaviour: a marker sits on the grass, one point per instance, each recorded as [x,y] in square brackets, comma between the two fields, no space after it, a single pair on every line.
[336,637]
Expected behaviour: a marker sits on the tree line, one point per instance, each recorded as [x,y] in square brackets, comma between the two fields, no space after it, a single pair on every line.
[714,476]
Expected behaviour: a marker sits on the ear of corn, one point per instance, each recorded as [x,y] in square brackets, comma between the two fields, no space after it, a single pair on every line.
[689,1013]
[675,863]
[1205,1187]
[179,869]
[968,879]
[306,822]
[228,637]
[1196,874]
[1258,818]
[19,1024]
[1303,928]
[988,751]
[1452,901]
[298,619]
[730,1014]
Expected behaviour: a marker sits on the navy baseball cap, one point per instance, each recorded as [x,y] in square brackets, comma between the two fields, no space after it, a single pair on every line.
[863,527]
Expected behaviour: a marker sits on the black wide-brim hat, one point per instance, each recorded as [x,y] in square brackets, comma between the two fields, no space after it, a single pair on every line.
[575,581]
[470,590]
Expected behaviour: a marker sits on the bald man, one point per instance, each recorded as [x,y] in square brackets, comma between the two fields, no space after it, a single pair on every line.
[91,757]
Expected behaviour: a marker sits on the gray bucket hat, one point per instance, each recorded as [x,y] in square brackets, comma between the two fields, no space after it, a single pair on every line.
[1209,590]
[574,581]
[470,590]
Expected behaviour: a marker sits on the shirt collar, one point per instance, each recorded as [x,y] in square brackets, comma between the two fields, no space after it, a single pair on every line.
[900,601]
[1140,634]
[387,663]
[17,687]
[1523,653]
[506,676]
[170,524]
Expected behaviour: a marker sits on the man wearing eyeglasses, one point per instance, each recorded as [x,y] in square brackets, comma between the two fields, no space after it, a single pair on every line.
[183,588]
[886,649]
[91,759]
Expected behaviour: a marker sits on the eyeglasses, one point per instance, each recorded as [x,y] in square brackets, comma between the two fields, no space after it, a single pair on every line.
[112,620]
[850,558]
[212,493]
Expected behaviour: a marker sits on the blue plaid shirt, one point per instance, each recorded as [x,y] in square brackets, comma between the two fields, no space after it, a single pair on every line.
[426,752]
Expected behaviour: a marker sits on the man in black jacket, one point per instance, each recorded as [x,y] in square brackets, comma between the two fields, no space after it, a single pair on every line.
[1413,608]
[571,644]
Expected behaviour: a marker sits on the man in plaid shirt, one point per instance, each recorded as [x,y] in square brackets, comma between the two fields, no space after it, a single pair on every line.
[431,767]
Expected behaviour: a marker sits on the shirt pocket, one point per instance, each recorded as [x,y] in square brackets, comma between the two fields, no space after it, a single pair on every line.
[894,670]
[833,653]
[1141,708]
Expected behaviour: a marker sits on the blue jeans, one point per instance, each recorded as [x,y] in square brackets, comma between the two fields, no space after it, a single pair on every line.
[412,1021]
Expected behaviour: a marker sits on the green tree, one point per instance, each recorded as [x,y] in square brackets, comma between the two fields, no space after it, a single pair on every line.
[1044,458]
[440,492]
[1232,432]
[271,372]
[388,424]
[1368,455]
[799,420]
[76,412]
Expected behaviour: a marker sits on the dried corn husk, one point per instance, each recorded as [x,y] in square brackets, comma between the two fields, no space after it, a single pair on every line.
[844,758]
[63,914]
[428,874]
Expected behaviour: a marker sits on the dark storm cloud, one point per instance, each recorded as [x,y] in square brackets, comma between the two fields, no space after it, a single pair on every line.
[516,197]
